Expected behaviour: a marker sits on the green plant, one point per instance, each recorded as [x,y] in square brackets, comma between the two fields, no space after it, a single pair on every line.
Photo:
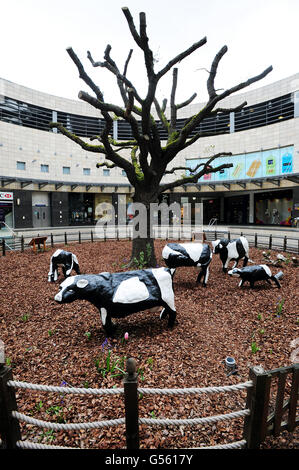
[51,332]
[56,411]
[261,331]
[39,405]
[8,361]
[279,307]
[25,317]
[254,347]
[259,316]
[144,258]
[108,364]
[49,435]
[150,362]
[140,373]
[87,334]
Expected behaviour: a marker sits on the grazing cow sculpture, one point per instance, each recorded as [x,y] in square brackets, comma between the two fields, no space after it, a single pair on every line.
[67,260]
[189,254]
[118,295]
[231,250]
[260,272]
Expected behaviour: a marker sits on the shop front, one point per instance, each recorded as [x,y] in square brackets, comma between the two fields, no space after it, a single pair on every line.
[274,208]
[6,210]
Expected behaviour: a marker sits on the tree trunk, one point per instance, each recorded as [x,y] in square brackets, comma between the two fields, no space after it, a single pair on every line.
[143,249]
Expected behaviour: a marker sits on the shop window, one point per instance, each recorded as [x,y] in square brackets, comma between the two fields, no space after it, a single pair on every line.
[66,170]
[21,166]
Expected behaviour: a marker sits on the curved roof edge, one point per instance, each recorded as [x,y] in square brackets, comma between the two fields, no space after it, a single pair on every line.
[39,98]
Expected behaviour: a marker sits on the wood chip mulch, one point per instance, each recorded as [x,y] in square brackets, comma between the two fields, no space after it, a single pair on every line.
[52,344]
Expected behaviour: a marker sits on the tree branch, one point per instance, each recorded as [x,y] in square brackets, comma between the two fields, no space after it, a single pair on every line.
[212,75]
[194,178]
[181,56]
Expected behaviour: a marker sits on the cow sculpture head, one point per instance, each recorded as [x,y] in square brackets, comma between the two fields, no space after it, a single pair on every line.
[217,246]
[75,288]
[234,272]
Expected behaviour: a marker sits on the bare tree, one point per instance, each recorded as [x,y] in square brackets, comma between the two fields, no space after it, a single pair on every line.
[150,156]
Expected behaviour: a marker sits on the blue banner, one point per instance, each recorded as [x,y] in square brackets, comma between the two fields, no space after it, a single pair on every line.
[263,164]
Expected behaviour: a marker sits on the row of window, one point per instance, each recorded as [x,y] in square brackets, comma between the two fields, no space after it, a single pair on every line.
[66,170]
[261,114]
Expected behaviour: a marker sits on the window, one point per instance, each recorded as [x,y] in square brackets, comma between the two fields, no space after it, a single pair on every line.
[86,171]
[123,173]
[66,170]
[106,172]
[21,166]
[44,168]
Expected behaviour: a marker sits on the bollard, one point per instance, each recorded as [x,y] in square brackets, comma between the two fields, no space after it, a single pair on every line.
[52,240]
[3,247]
[79,237]
[22,244]
[131,405]
[91,236]
[9,427]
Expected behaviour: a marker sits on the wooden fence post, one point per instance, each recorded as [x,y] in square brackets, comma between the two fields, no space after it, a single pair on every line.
[255,425]
[285,240]
[131,405]
[9,427]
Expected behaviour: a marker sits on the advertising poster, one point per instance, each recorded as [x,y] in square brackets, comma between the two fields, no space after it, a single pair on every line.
[263,164]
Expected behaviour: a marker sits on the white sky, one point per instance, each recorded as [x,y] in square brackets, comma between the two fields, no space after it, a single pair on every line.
[34,35]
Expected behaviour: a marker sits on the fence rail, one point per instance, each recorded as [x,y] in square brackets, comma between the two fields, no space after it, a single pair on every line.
[258,422]
[271,241]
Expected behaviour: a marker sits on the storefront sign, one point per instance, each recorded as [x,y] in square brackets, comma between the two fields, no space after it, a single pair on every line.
[6,196]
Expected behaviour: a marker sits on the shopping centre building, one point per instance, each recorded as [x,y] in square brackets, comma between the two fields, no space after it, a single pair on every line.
[49,181]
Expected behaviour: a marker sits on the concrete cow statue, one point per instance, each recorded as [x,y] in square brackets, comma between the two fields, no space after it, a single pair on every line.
[252,274]
[68,261]
[189,254]
[231,250]
[118,295]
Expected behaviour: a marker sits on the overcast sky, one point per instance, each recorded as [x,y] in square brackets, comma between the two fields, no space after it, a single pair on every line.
[34,35]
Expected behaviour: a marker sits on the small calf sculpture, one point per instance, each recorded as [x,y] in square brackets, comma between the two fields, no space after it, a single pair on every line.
[68,261]
[189,254]
[252,274]
[231,250]
[118,295]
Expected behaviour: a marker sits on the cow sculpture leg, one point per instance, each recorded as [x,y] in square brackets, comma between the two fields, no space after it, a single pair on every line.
[273,278]
[205,274]
[171,316]
[245,262]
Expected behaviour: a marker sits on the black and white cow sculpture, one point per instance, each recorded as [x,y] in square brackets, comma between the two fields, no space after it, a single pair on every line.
[231,250]
[118,295]
[189,254]
[252,274]
[68,261]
